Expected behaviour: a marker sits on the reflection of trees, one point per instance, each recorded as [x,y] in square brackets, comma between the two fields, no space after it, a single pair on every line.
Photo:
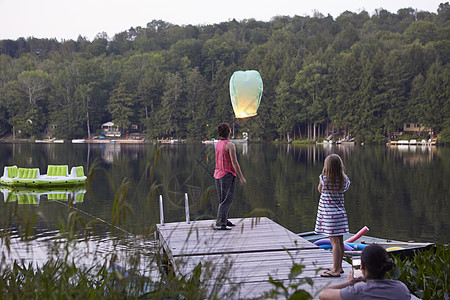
[396,200]
[402,200]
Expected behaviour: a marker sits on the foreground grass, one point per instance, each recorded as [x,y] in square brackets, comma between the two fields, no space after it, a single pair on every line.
[76,269]
[127,277]
[425,274]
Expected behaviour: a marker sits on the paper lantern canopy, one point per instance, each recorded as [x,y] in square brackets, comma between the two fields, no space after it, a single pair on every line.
[246,89]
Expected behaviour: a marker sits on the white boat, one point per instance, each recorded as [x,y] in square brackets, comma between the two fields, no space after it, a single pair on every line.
[412,143]
[78,141]
[49,141]
[211,141]
[169,141]
[346,141]
[236,141]
[46,141]
[239,141]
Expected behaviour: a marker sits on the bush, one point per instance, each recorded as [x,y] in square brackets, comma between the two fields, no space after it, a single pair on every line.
[444,136]
[303,142]
[426,273]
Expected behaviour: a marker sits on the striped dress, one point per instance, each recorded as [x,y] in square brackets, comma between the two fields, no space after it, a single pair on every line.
[331,215]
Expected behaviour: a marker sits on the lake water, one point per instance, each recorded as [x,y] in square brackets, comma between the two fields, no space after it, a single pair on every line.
[399,193]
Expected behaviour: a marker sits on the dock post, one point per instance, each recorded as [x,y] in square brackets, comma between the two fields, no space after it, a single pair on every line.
[161,212]
[186,206]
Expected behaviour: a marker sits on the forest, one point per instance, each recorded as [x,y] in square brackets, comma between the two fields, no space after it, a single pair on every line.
[360,75]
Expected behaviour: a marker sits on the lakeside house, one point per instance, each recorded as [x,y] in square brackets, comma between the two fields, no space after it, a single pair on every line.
[110,130]
[414,128]
[411,128]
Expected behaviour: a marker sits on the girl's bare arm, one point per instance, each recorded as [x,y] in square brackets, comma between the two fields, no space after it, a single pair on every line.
[231,148]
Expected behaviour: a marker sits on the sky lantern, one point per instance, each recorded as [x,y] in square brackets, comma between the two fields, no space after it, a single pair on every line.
[246,89]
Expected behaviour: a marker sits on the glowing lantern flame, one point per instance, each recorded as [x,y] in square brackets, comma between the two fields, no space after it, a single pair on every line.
[246,89]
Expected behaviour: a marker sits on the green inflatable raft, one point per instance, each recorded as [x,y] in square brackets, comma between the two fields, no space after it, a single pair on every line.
[57,175]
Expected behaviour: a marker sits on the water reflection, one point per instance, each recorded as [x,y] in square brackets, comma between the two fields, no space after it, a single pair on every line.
[34,195]
[413,155]
[111,152]
[402,195]
[91,252]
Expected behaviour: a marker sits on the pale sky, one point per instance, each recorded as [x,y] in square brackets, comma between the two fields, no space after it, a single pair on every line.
[67,19]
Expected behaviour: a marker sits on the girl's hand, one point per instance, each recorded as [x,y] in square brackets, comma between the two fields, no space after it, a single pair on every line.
[354,280]
[350,275]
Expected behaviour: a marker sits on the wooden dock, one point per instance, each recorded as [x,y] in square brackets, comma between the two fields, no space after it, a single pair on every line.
[248,254]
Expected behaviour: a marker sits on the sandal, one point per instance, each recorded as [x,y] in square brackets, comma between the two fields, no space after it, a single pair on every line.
[329,274]
[329,270]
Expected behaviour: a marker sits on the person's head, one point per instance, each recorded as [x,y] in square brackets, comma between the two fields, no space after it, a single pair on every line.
[375,261]
[333,168]
[224,130]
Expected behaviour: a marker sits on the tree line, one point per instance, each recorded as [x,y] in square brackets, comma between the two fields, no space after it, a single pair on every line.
[359,74]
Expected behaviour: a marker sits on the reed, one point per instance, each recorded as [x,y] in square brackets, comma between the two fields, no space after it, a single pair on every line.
[76,267]
[135,266]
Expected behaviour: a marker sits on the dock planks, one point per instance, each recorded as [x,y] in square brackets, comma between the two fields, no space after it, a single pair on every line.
[250,252]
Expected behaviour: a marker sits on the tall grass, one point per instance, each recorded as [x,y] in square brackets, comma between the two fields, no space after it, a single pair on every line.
[76,267]
[136,267]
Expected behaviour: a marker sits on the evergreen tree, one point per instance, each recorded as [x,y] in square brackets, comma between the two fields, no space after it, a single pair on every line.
[198,105]
[359,74]
[121,107]
[435,107]
[172,107]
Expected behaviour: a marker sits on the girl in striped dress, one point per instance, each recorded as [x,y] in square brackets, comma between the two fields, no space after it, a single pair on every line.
[331,215]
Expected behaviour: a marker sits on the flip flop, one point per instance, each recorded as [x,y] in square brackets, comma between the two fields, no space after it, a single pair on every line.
[329,270]
[222,227]
[329,274]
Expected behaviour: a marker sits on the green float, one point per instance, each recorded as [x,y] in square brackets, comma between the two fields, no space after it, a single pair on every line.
[57,175]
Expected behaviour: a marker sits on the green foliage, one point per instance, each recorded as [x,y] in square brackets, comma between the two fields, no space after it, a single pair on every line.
[444,137]
[364,75]
[120,107]
[426,273]
[62,280]
[67,276]
[292,289]
[409,137]
[303,142]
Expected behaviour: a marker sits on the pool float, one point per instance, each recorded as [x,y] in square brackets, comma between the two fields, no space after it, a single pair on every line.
[32,195]
[348,242]
[394,249]
[57,175]
[328,246]
[359,234]
[356,246]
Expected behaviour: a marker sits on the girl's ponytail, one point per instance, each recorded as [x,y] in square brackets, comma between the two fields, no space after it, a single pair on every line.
[376,261]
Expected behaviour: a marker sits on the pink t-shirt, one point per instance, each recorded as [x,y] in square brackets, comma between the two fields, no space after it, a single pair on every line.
[223,160]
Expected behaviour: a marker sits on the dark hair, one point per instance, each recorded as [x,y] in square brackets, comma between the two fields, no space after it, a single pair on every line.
[376,261]
[223,130]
